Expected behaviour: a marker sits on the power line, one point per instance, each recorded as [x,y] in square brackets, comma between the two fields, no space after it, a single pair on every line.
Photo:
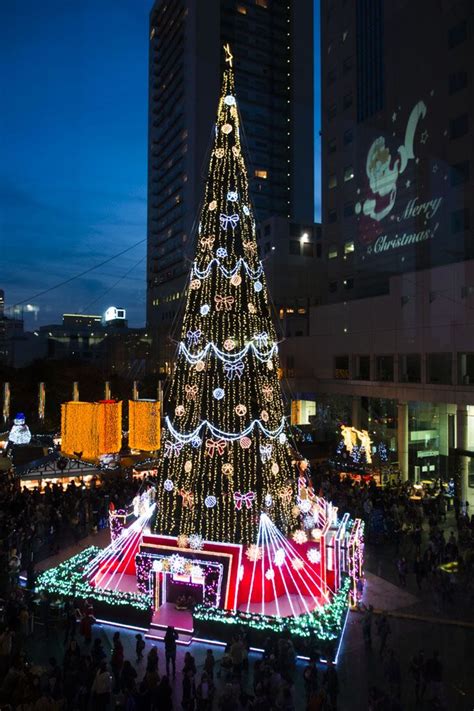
[101,296]
[77,276]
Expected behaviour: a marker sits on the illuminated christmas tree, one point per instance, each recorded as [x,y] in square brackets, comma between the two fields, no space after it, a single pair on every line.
[225,451]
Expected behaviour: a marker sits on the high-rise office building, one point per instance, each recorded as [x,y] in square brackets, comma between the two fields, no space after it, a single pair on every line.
[390,347]
[397,141]
[272,45]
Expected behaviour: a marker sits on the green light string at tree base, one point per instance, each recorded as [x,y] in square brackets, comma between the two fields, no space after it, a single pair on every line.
[67,580]
[325,623]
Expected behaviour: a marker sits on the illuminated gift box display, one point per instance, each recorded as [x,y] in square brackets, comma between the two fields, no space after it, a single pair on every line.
[91,428]
[144,425]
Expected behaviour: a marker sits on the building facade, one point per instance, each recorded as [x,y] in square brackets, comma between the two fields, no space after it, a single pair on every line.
[391,345]
[397,113]
[292,256]
[110,346]
[272,46]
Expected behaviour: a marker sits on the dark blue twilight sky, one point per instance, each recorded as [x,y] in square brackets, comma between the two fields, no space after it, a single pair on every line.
[73,157]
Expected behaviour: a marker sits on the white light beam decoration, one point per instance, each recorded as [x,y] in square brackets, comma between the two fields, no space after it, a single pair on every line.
[229,436]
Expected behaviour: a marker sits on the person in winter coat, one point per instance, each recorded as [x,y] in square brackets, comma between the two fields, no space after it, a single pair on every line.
[102,688]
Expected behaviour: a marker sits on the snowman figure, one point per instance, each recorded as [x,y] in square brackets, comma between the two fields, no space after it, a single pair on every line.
[20,432]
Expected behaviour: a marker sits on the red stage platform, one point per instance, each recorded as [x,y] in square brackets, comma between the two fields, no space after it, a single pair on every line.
[283,608]
[167,615]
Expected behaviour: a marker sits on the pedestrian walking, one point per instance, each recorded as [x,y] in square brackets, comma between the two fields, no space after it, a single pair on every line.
[402,571]
[419,570]
[310,677]
[139,647]
[116,661]
[383,631]
[331,684]
[416,670]
[171,637]
[367,626]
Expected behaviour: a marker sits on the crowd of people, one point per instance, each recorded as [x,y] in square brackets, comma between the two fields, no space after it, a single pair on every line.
[410,525]
[33,521]
[425,673]
[91,674]
[88,675]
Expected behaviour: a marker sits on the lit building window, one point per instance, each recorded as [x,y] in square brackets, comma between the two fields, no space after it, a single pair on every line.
[261,3]
[261,174]
[301,411]
[332,183]
[348,173]
[349,247]
[242,9]
[332,254]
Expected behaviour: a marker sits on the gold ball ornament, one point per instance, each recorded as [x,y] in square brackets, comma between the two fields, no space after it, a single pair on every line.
[264,416]
[195,284]
[245,442]
[200,365]
[240,410]
[236,151]
[179,411]
[275,468]
[212,205]
[227,469]
[219,152]
[226,128]
[182,541]
[188,466]
[270,364]
[229,344]
[251,308]
[236,280]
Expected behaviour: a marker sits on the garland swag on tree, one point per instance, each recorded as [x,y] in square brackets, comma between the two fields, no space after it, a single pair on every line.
[225,453]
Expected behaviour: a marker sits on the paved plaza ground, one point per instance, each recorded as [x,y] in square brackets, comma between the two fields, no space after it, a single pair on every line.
[418,620]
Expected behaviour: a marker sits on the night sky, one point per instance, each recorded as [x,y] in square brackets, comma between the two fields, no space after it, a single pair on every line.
[74,153]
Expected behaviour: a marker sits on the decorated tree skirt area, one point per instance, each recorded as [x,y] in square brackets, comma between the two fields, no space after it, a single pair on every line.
[300,585]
